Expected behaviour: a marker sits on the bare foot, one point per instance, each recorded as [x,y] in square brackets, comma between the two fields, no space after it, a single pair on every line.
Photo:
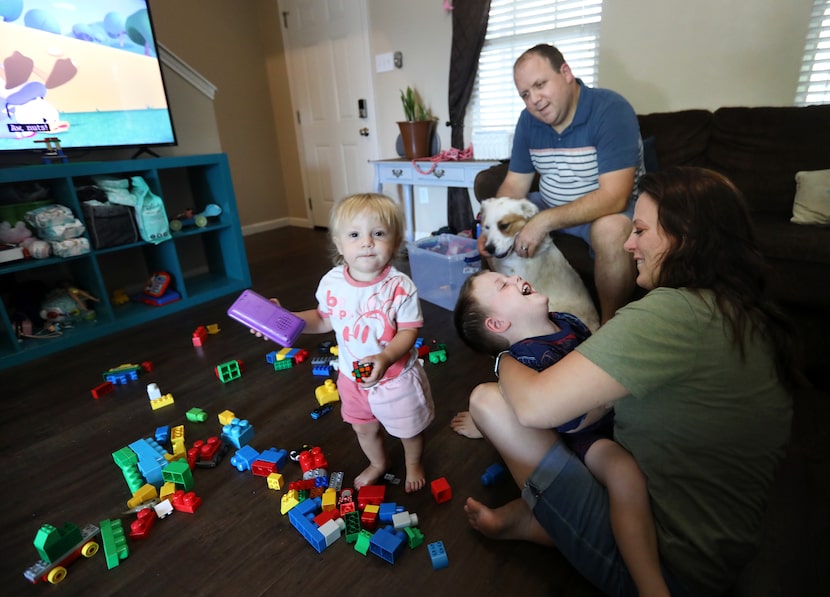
[514,520]
[369,476]
[463,424]
[415,477]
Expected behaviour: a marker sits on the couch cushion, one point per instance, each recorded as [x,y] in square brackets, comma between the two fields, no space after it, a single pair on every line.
[812,198]
[679,137]
[781,239]
[761,149]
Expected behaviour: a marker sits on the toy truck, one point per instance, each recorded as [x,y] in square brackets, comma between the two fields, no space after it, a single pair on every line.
[60,547]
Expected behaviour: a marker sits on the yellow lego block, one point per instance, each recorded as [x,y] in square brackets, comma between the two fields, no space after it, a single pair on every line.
[288,501]
[372,508]
[329,499]
[274,481]
[143,494]
[165,400]
[335,350]
[225,417]
[327,392]
[283,353]
[167,490]
[212,328]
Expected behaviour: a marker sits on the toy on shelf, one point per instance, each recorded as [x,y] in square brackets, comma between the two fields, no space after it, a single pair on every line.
[58,548]
[157,291]
[188,219]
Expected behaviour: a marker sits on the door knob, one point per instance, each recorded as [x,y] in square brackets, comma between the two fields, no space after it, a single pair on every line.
[364,132]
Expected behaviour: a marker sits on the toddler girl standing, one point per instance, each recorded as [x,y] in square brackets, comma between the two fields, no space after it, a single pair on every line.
[374,311]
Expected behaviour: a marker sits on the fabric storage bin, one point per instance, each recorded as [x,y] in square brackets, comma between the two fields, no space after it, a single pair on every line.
[109,225]
[439,266]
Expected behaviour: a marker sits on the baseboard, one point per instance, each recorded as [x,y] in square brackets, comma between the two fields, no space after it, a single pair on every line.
[275,224]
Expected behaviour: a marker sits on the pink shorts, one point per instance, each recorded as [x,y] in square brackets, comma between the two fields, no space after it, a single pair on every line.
[403,405]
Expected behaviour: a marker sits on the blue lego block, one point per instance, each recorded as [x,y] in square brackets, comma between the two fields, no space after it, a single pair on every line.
[438,555]
[388,544]
[271,357]
[278,457]
[238,432]
[321,370]
[162,434]
[493,474]
[387,509]
[151,460]
[301,518]
[244,458]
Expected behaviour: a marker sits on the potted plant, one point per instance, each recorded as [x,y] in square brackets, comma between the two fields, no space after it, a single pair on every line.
[417,129]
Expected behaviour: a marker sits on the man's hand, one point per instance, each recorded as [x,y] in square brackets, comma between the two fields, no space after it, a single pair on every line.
[531,236]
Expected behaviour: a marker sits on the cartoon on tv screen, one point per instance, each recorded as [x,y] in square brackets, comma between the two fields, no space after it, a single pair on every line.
[84,71]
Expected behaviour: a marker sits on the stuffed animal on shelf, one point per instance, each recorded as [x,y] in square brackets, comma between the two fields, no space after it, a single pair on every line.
[65,305]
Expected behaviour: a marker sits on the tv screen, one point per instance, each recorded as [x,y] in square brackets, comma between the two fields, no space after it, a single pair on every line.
[83,71]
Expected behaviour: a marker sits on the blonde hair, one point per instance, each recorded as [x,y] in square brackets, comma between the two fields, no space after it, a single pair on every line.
[387,211]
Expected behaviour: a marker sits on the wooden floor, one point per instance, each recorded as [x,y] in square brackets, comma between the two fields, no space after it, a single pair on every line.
[57,443]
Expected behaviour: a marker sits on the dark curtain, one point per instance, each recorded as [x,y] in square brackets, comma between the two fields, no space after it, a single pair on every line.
[469,25]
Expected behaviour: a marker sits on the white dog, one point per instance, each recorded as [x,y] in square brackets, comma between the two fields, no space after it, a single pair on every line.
[548,271]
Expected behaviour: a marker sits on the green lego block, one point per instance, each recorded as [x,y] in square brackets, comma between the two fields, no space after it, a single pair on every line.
[125,457]
[115,543]
[178,472]
[364,537]
[196,415]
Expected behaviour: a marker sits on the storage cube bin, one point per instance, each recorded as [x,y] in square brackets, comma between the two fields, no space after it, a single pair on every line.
[440,264]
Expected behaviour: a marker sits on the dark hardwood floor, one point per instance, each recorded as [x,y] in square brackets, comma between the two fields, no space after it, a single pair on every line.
[57,443]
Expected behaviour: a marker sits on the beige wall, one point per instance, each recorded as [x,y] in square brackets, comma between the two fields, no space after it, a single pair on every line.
[661,54]
[224,42]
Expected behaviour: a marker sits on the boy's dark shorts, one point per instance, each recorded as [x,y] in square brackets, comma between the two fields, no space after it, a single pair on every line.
[580,441]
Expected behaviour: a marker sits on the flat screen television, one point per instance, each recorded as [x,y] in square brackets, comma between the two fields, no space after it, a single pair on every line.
[83,71]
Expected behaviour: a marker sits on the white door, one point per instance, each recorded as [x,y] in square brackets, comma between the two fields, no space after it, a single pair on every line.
[327,45]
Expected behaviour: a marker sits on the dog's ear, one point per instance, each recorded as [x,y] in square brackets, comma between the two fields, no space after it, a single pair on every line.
[484,205]
[529,209]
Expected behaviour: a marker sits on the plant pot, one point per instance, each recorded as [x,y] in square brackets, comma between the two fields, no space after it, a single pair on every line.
[416,136]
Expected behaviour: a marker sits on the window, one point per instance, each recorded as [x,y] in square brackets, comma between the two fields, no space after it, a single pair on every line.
[513,27]
[814,80]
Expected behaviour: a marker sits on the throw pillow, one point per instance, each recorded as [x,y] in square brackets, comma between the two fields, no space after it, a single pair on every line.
[812,198]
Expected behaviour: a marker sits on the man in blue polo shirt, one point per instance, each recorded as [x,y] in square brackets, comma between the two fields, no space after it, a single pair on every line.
[585,144]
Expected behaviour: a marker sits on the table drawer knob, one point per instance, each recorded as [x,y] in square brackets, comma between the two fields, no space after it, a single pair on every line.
[397,172]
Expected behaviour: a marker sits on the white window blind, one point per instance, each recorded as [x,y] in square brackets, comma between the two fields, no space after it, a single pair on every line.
[814,80]
[517,25]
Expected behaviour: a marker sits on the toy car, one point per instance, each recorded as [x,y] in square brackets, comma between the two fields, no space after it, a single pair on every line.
[187,218]
[321,410]
[59,547]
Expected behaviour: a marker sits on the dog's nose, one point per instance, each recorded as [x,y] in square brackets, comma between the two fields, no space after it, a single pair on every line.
[490,248]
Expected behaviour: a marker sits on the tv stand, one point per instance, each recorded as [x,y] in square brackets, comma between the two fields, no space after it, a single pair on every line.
[204,263]
[144,150]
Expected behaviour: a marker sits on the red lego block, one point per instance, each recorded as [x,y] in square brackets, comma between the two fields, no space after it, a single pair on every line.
[312,459]
[423,351]
[369,520]
[263,468]
[200,334]
[370,494]
[140,527]
[301,355]
[441,490]
[147,366]
[325,516]
[186,502]
[104,388]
